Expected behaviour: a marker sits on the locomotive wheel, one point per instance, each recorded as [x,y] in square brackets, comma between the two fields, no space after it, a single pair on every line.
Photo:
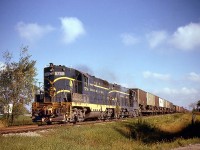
[47,121]
[101,116]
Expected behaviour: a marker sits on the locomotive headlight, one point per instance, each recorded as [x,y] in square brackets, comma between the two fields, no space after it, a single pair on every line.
[51,71]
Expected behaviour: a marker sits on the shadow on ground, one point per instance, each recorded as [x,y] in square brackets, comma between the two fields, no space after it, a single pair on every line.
[146,133]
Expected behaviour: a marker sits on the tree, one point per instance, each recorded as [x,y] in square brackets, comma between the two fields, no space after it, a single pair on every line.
[17,81]
[19,109]
[198,105]
[193,106]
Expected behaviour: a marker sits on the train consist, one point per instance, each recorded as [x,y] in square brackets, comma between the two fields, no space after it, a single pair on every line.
[70,95]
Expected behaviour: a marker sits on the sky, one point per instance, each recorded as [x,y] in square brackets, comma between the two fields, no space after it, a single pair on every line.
[153,45]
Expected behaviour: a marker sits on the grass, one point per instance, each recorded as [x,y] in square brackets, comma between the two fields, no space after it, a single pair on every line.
[21,120]
[169,129]
[150,133]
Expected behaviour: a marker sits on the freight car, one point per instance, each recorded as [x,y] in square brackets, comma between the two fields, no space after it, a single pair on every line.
[151,104]
[71,95]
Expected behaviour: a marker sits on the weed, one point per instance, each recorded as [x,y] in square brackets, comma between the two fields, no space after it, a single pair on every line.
[139,134]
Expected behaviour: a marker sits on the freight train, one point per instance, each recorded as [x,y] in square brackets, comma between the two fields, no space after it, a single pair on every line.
[70,95]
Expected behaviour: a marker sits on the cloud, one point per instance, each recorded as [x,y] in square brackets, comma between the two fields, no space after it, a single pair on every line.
[182,96]
[72,29]
[187,37]
[32,31]
[156,38]
[158,76]
[194,77]
[128,39]
[181,91]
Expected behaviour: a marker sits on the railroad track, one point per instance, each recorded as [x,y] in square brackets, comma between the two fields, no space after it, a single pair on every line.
[32,128]
[21,129]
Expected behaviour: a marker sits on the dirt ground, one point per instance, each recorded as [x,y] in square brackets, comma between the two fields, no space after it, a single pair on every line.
[189,147]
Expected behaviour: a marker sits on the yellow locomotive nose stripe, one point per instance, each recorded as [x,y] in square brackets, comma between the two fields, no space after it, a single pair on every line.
[60,78]
[61,91]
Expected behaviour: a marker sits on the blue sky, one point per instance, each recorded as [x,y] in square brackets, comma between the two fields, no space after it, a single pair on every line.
[150,44]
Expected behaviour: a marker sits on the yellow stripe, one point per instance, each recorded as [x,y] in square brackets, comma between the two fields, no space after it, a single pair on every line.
[62,91]
[118,92]
[108,89]
[60,78]
[99,86]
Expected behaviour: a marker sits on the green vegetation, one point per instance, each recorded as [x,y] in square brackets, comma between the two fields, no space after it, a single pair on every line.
[16,84]
[20,120]
[149,133]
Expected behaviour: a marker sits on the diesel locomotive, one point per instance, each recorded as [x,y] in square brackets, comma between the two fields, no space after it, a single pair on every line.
[71,95]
